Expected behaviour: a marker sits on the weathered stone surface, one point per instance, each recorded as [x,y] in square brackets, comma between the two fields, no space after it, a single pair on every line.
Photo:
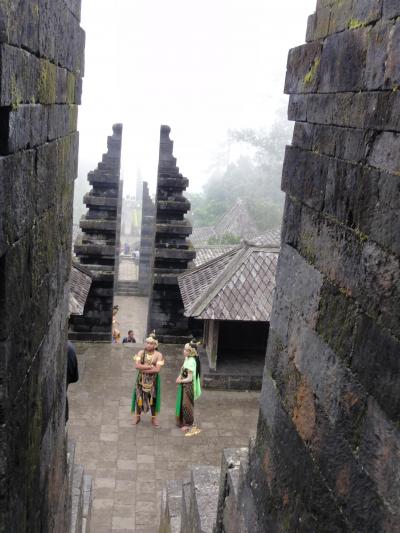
[38,165]
[96,248]
[171,251]
[328,426]
[391,8]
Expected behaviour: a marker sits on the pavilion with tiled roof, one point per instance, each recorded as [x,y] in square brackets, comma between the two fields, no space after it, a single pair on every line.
[233,295]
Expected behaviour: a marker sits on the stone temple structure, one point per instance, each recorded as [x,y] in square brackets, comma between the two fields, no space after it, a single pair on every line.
[172,250]
[327,453]
[96,247]
[41,69]
[146,241]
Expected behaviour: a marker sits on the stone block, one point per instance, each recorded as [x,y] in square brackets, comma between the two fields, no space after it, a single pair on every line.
[341,16]
[359,266]
[204,497]
[290,487]
[391,8]
[337,319]
[343,61]
[20,72]
[385,111]
[379,453]
[304,176]
[320,108]
[297,108]
[324,141]
[378,41]
[318,24]
[392,71]
[302,74]
[299,284]
[385,152]
[75,7]
[303,135]
[365,12]
[17,195]
[376,363]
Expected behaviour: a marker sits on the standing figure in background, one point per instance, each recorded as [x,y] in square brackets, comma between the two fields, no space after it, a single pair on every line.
[147,392]
[189,388]
[116,335]
[72,372]
[129,338]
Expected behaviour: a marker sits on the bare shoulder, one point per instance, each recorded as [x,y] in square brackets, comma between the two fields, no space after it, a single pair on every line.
[159,358]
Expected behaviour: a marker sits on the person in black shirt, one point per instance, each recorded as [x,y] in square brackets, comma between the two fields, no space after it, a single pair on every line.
[72,371]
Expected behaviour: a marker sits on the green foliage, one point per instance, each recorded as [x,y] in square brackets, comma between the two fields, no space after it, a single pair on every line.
[255,178]
[227,238]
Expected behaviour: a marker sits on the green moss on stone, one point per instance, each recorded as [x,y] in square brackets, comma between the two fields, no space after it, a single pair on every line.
[47,87]
[307,247]
[71,80]
[354,24]
[310,76]
[360,235]
[16,97]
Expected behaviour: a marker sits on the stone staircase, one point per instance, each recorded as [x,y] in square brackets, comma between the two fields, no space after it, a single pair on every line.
[213,500]
[128,288]
[81,491]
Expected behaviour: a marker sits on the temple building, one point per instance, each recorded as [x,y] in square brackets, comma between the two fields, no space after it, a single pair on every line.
[233,295]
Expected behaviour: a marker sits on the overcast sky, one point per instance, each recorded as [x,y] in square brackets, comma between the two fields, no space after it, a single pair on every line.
[201,67]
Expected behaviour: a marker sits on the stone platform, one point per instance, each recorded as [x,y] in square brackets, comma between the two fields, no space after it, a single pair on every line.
[129,464]
[244,373]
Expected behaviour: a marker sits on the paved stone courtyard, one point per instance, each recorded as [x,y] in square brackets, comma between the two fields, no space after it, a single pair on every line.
[130,464]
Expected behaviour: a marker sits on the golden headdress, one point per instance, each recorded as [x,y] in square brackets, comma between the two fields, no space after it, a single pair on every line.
[152,338]
[192,348]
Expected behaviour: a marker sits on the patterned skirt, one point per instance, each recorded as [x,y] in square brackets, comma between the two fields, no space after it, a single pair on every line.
[185,416]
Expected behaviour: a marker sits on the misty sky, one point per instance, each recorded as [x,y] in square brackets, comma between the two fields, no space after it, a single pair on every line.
[201,67]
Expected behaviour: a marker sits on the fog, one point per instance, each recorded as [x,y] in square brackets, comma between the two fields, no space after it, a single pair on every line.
[201,67]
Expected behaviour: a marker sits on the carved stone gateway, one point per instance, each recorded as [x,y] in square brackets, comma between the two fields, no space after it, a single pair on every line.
[172,250]
[97,245]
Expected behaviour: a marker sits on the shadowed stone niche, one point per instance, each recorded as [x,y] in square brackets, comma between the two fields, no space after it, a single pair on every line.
[327,453]
[41,69]
[96,247]
[172,250]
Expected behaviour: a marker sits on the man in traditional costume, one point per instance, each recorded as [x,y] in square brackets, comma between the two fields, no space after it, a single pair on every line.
[147,392]
[189,388]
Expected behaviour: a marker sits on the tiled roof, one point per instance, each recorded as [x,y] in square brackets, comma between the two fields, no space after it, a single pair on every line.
[201,235]
[271,237]
[80,283]
[238,285]
[237,221]
[207,253]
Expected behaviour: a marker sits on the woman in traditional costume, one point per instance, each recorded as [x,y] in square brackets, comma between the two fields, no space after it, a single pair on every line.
[147,392]
[189,388]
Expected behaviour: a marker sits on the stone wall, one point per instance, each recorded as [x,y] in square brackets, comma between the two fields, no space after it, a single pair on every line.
[172,250]
[327,452]
[146,241]
[41,68]
[95,248]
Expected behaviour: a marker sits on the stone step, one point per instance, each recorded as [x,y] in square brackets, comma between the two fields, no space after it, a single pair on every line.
[204,490]
[186,491]
[171,508]
[77,499]
[87,502]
